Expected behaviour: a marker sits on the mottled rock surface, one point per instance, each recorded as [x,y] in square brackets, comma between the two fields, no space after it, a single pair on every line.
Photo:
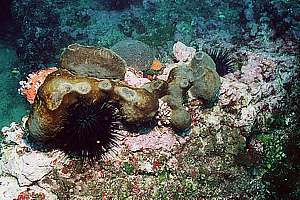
[136,54]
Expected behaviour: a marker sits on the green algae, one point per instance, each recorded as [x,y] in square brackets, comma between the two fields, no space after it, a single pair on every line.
[128,168]
[273,149]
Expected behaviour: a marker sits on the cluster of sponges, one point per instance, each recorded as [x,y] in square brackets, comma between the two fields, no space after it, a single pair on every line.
[79,106]
[198,78]
[194,74]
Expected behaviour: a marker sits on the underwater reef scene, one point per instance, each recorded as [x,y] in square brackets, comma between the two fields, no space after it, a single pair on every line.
[149,99]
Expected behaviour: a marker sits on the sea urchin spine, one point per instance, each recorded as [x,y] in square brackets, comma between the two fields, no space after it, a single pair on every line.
[223,60]
[89,130]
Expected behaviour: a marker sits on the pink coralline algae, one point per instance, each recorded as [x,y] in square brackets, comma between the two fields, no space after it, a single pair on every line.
[30,195]
[164,114]
[135,78]
[252,90]
[253,82]
[245,96]
[173,163]
[158,138]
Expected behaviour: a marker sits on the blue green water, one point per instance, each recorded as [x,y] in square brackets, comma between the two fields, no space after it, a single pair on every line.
[12,105]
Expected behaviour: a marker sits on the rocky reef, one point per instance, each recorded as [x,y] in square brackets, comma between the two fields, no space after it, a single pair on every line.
[215,116]
[216,158]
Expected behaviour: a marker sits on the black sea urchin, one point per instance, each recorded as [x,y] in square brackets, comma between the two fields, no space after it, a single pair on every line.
[90,131]
[223,60]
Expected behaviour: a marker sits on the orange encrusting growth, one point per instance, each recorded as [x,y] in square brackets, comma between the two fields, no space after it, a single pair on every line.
[34,81]
[156,65]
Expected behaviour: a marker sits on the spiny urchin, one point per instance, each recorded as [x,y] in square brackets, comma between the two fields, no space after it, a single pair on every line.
[223,60]
[90,131]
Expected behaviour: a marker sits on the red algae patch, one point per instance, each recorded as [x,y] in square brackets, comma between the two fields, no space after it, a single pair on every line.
[34,81]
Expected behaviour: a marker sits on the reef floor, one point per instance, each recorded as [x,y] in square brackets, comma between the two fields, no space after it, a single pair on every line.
[218,159]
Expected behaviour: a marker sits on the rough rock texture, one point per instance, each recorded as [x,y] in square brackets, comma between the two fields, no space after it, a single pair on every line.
[29,167]
[253,89]
[10,189]
[136,54]
[158,138]
[22,168]
[93,62]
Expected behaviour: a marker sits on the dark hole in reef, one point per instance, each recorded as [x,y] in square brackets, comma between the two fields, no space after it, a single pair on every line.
[119,4]
[8,26]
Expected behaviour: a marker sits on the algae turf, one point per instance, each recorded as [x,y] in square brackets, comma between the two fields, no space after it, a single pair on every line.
[128,168]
